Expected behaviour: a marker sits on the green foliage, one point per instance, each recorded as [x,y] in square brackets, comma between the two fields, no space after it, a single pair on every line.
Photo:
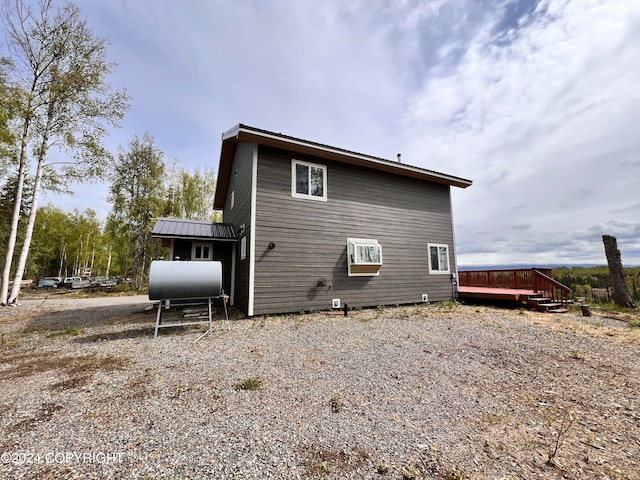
[138,195]
[65,244]
[324,469]
[66,103]
[583,281]
[191,194]
[63,333]
[7,202]
[250,384]
[11,98]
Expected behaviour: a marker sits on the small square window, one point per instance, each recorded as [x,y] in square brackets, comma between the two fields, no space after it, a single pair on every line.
[201,251]
[364,256]
[308,180]
[438,258]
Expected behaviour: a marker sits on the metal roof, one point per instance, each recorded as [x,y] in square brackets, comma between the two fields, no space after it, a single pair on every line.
[198,229]
[245,133]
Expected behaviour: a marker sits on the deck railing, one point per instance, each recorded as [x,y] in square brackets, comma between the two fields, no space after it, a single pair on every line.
[551,287]
[519,278]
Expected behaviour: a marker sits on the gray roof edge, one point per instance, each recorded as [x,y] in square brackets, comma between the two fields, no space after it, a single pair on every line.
[235,131]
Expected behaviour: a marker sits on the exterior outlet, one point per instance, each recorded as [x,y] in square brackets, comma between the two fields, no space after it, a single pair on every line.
[335,303]
[425,297]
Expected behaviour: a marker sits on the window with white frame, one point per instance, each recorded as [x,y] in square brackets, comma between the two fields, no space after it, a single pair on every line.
[438,258]
[201,251]
[364,256]
[308,180]
[243,248]
[233,199]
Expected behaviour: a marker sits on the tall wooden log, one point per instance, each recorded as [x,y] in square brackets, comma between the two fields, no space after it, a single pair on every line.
[621,294]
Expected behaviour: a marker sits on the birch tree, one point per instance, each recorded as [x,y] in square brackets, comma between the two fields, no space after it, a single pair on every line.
[69,107]
[138,195]
[191,194]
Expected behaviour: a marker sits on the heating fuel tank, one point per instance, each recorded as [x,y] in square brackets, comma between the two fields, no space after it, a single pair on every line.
[184,280]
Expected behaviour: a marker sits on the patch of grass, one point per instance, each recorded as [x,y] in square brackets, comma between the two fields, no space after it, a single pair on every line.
[578,355]
[336,404]
[448,304]
[8,342]
[250,384]
[324,469]
[634,324]
[63,333]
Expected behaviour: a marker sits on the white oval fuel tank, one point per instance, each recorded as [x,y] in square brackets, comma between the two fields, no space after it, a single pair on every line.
[184,280]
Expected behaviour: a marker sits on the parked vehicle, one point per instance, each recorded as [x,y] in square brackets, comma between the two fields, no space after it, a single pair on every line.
[74,282]
[49,282]
[103,282]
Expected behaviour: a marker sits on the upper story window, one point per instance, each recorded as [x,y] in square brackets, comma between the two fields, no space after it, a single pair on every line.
[438,258]
[201,251]
[308,180]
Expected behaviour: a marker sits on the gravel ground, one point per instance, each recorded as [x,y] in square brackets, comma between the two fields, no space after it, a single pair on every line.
[407,392]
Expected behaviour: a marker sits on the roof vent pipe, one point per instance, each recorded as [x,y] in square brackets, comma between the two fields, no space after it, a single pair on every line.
[399,158]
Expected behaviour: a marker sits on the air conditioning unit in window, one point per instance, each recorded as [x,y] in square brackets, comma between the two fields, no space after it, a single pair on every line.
[364,256]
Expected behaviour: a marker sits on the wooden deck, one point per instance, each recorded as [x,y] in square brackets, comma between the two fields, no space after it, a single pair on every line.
[533,287]
[491,293]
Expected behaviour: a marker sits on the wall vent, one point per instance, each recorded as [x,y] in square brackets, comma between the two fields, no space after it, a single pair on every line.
[335,303]
[425,297]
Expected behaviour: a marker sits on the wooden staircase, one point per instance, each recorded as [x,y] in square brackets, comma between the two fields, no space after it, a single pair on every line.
[544,304]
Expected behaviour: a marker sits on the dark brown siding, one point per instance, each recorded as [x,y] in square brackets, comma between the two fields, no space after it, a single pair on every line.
[403,214]
[182,249]
[240,214]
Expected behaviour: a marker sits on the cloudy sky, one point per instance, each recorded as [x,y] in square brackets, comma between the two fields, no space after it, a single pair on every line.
[536,101]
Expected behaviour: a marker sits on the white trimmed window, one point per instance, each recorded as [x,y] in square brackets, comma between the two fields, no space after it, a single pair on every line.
[233,199]
[438,258]
[243,248]
[201,251]
[364,256]
[308,180]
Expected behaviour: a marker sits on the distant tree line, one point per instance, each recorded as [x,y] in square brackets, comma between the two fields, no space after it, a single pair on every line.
[142,188]
[583,280]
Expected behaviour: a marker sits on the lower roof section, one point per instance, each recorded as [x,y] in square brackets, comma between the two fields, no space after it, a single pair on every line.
[193,229]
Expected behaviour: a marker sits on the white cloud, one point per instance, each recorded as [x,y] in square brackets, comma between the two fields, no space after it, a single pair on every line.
[539,116]
[537,103]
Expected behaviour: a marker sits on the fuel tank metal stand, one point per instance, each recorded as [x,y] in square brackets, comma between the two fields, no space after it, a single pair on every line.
[186,284]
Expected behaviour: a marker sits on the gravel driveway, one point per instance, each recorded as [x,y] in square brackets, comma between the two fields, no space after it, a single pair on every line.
[406,392]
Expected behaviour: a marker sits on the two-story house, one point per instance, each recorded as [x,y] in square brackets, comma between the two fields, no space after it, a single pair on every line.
[318,227]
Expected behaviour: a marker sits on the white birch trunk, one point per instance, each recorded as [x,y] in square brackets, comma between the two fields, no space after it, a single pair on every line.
[108,262]
[15,217]
[24,253]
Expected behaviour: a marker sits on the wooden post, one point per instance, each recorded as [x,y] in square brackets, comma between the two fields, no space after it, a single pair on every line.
[621,294]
